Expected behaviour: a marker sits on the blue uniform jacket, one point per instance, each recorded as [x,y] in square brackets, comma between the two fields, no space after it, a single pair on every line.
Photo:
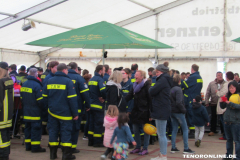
[45,112]
[97,88]
[106,77]
[126,87]
[61,97]
[81,89]
[192,87]
[31,94]
[50,75]
[154,80]
[133,76]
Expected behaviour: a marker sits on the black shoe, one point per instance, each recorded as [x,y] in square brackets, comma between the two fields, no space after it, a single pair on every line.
[189,151]
[74,150]
[4,158]
[28,149]
[90,143]
[174,150]
[67,153]
[53,152]
[38,150]
[98,145]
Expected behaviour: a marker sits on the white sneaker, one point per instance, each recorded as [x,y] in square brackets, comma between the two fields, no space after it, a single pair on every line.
[85,138]
[103,157]
[159,158]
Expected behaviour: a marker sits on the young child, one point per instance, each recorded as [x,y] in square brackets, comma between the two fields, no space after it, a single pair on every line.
[200,117]
[110,123]
[123,134]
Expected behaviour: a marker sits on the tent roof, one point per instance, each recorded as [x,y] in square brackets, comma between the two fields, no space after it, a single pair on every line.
[72,13]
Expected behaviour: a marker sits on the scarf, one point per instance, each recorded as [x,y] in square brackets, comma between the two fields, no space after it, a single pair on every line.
[138,86]
[111,82]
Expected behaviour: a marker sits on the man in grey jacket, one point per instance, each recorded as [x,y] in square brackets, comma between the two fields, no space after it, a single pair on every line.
[213,86]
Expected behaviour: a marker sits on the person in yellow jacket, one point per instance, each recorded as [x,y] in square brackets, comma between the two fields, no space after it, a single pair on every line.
[6,110]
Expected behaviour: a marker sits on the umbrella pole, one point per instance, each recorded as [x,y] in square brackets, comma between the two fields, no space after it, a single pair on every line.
[103,53]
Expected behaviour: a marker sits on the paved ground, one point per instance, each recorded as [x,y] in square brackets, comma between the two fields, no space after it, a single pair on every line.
[210,145]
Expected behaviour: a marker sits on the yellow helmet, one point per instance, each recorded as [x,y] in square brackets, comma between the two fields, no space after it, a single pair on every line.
[234,99]
[149,129]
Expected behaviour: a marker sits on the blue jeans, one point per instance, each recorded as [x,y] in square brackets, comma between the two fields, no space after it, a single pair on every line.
[221,119]
[232,131]
[138,138]
[179,118]
[162,139]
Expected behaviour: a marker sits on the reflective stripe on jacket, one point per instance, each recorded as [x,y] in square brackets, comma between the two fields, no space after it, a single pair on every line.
[97,88]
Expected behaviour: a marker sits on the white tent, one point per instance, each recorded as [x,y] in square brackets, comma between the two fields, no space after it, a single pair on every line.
[200,30]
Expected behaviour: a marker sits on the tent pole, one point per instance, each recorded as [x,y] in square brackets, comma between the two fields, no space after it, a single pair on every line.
[156,38]
[103,53]
[1,55]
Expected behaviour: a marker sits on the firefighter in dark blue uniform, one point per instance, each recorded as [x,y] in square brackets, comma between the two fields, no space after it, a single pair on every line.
[134,69]
[53,69]
[82,95]
[6,110]
[61,97]
[47,71]
[192,87]
[97,94]
[32,100]
[106,74]
[154,78]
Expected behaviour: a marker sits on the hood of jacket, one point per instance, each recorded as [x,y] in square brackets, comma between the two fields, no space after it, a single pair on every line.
[196,105]
[168,78]
[110,121]
[34,79]
[72,71]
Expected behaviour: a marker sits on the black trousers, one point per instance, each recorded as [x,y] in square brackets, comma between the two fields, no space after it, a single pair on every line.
[4,142]
[109,150]
[213,118]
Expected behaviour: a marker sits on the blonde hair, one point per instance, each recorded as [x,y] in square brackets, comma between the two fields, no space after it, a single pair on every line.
[176,78]
[116,77]
[112,111]
[143,73]
[3,73]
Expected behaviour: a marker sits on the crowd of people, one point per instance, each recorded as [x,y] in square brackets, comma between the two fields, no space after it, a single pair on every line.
[115,106]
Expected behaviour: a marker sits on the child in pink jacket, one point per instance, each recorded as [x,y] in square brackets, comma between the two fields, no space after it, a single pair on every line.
[110,123]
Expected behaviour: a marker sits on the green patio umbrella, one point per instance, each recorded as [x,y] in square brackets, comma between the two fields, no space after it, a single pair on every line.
[102,35]
[237,40]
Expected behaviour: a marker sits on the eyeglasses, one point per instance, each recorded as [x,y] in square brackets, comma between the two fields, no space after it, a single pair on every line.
[124,73]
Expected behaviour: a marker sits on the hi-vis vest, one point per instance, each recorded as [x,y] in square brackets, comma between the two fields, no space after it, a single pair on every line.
[6,102]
